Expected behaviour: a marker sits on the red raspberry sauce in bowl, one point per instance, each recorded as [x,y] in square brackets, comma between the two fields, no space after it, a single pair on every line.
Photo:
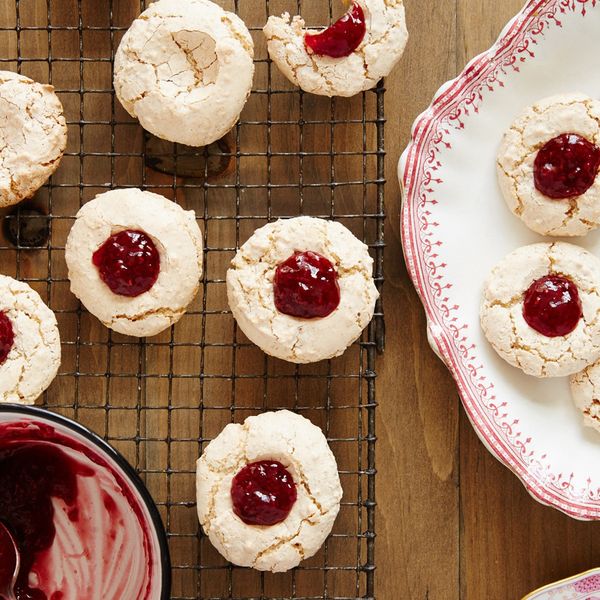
[552,306]
[128,262]
[263,493]
[7,337]
[566,166]
[342,38]
[83,523]
[305,286]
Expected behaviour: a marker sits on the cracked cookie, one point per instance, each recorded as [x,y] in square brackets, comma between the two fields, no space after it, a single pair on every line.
[268,491]
[302,289]
[33,136]
[541,307]
[185,70]
[548,166]
[29,343]
[585,390]
[135,260]
[348,57]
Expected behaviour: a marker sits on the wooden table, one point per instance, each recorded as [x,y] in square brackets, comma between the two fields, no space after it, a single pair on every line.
[453,522]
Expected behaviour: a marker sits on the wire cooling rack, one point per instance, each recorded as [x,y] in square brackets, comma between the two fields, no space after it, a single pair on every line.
[159,401]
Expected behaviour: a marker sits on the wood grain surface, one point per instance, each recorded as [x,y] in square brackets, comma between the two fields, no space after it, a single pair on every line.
[452,523]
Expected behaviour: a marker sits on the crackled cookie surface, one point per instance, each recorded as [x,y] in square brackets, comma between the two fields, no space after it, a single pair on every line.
[29,343]
[33,136]
[185,69]
[345,59]
[541,309]
[585,390]
[135,260]
[548,166]
[268,491]
[302,289]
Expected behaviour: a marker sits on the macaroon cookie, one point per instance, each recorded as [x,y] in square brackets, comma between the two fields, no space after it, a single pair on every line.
[33,136]
[541,306]
[135,260]
[268,491]
[548,165]
[184,69]
[585,390]
[29,343]
[302,289]
[347,58]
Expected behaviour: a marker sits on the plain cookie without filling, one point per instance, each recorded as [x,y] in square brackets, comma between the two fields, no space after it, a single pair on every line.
[33,136]
[185,69]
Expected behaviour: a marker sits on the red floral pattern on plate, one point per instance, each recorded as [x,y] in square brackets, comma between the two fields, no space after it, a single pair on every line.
[421,166]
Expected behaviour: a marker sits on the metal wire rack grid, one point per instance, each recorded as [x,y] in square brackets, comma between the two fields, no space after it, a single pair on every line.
[159,401]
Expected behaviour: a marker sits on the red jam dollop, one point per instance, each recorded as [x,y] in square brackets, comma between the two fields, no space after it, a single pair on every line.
[263,493]
[342,38]
[128,263]
[306,286]
[7,337]
[566,166]
[552,306]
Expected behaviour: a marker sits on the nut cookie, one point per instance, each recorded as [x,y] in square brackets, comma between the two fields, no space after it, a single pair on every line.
[33,136]
[185,69]
[29,343]
[548,166]
[135,260]
[268,491]
[541,308]
[340,61]
[302,289]
[585,390]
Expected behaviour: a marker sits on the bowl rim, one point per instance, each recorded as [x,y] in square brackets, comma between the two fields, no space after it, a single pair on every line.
[129,472]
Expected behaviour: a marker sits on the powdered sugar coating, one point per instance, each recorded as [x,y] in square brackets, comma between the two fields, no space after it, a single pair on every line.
[545,120]
[185,69]
[502,310]
[33,362]
[251,297]
[302,449]
[375,57]
[178,240]
[33,136]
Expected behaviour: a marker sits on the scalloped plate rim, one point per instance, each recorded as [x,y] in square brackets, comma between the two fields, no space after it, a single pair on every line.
[435,335]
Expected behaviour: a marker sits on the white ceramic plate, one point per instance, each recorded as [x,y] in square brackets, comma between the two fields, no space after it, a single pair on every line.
[456,226]
[585,586]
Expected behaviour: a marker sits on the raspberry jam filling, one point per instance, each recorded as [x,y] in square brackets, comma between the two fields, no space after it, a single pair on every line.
[263,493]
[342,38]
[7,337]
[552,306]
[306,286]
[566,166]
[128,263]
